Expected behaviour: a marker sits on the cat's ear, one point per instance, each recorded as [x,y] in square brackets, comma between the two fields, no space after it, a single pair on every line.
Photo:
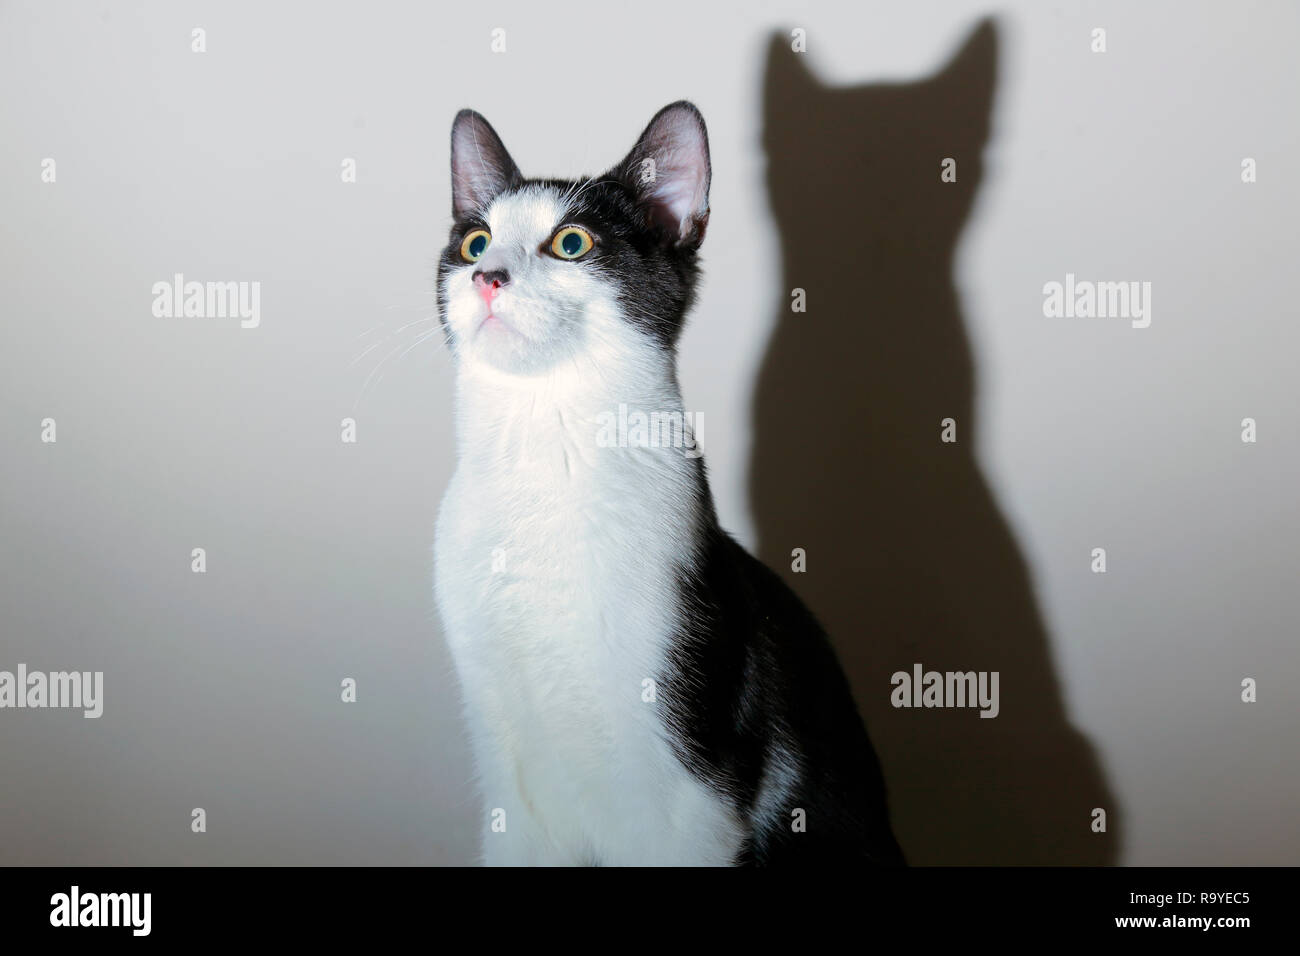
[669,171]
[481,169]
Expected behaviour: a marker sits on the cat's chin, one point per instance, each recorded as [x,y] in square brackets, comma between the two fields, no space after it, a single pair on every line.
[496,342]
[503,350]
[493,334]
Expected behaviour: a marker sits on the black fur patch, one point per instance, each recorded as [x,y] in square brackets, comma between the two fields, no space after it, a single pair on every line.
[752,677]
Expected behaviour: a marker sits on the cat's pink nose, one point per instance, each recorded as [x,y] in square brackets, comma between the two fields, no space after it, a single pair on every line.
[489,284]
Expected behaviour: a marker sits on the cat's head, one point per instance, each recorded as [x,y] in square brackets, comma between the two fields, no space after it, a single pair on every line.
[539,272]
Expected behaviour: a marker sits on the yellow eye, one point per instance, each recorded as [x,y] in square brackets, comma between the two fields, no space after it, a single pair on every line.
[474,245]
[572,243]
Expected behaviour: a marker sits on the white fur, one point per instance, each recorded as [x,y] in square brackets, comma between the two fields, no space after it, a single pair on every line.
[553,641]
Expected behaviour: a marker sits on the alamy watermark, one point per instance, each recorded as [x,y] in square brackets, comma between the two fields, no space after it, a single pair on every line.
[633,428]
[75,908]
[922,688]
[208,300]
[78,690]
[1085,299]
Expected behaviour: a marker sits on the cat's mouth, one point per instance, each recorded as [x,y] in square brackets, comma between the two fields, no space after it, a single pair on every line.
[489,320]
[493,321]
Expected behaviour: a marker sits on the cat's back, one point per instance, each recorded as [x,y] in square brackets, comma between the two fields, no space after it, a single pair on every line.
[770,717]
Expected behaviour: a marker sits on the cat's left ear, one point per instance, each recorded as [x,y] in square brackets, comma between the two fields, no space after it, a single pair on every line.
[669,171]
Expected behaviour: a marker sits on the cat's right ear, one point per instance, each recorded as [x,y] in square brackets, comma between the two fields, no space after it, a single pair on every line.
[481,169]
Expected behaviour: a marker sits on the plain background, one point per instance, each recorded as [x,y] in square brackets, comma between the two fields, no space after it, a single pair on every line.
[222,689]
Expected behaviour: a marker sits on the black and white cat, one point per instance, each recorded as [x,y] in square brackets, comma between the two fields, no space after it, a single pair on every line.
[638,688]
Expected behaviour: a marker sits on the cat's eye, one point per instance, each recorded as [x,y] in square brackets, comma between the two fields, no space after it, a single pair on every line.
[474,245]
[572,242]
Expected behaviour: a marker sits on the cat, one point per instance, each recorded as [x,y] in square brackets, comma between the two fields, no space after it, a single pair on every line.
[638,689]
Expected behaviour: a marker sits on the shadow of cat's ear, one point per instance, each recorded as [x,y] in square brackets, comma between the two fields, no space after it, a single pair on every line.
[787,76]
[975,63]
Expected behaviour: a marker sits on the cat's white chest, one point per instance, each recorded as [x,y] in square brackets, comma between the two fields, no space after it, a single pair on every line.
[556,579]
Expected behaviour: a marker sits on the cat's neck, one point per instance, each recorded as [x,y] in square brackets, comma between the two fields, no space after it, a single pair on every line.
[561,418]
[538,457]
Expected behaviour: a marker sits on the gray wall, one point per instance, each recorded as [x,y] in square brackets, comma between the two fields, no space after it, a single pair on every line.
[222,689]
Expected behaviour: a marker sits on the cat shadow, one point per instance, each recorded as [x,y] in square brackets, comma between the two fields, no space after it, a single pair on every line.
[909,559]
